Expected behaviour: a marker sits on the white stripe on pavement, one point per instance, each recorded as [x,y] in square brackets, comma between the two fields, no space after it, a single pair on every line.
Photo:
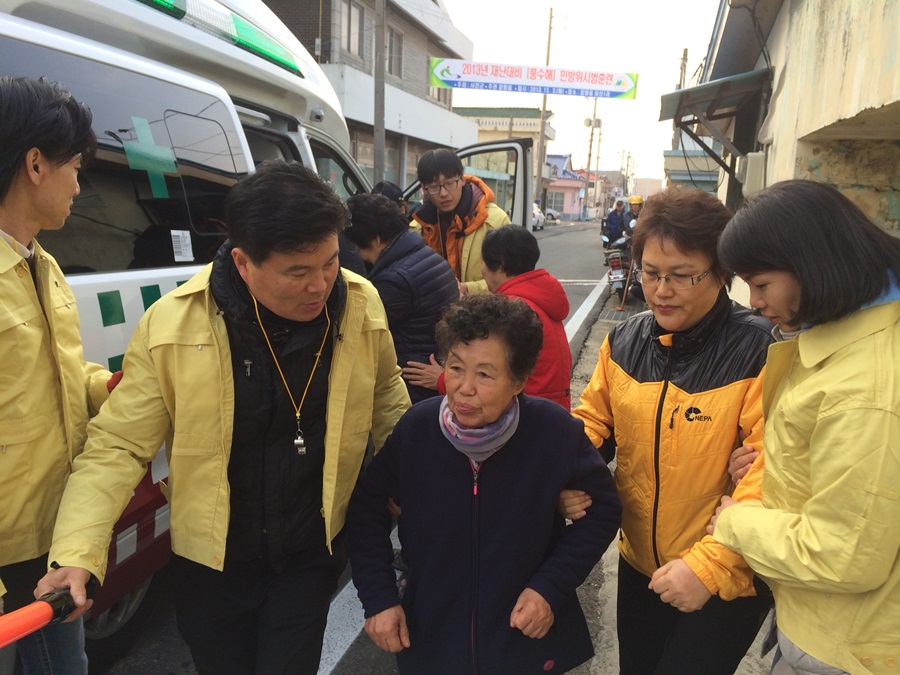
[345,623]
[578,318]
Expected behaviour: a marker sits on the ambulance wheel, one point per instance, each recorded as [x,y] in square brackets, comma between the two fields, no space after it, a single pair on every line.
[110,635]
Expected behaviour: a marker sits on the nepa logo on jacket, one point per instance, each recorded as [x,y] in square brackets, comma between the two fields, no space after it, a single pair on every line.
[696,415]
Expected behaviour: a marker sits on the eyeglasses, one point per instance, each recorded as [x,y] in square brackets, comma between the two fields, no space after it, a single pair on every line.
[674,280]
[449,186]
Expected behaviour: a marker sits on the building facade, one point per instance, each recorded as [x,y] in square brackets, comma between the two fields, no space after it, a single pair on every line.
[497,124]
[565,195]
[688,165]
[803,90]
[341,34]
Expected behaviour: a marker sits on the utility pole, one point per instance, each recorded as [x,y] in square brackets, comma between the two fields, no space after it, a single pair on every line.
[593,123]
[380,11]
[676,132]
[538,183]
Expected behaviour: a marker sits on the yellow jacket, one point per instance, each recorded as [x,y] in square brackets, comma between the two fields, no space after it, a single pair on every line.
[178,388]
[826,536]
[47,394]
[674,405]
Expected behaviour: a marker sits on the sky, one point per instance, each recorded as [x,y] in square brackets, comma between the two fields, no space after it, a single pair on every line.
[646,37]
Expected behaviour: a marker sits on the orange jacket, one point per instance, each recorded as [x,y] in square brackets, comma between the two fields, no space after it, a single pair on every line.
[475,216]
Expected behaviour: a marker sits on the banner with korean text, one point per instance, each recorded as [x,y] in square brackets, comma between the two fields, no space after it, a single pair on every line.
[462,74]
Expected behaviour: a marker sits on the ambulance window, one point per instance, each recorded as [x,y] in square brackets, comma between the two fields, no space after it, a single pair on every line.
[166,157]
[266,145]
[333,168]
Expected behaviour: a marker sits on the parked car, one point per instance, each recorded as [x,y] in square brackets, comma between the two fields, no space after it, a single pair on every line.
[537,217]
[552,214]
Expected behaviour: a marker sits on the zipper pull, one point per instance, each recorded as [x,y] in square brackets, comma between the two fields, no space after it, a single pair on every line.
[672,420]
[247,364]
[474,478]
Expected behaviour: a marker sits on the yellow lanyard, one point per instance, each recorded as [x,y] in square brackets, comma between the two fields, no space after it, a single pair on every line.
[299,442]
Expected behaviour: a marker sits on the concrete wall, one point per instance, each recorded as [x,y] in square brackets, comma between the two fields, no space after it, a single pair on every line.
[868,172]
[835,111]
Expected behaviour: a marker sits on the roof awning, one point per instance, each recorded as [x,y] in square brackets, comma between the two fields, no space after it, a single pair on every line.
[704,104]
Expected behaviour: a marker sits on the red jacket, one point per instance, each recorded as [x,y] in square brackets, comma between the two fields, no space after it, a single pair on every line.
[545,295]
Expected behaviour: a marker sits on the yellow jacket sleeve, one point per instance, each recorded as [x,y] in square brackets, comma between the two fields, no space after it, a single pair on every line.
[391,396]
[97,379]
[842,537]
[724,572]
[595,409]
[122,440]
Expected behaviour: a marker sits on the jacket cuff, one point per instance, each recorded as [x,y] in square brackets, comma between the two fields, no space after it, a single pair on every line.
[702,573]
[96,563]
[477,287]
[722,571]
[380,602]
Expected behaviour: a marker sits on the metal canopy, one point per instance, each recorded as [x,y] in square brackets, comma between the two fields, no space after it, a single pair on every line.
[706,103]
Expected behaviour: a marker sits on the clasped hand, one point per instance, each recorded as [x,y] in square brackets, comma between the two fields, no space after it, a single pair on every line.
[531,615]
[677,585]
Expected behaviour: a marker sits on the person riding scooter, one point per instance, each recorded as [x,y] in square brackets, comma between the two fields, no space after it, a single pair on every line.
[615,223]
[635,203]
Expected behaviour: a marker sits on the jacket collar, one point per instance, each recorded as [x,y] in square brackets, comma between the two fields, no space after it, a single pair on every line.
[525,277]
[819,342]
[400,246]
[8,258]
[689,342]
[473,203]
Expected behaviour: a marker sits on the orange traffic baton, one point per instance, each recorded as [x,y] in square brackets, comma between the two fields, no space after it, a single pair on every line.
[21,622]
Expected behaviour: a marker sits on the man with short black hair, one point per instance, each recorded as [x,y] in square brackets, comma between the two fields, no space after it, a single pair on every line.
[264,374]
[458,213]
[47,390]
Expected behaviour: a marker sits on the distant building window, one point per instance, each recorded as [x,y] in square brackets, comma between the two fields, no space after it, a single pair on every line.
[394,63]
[352,27]
[556,201]
[441,94]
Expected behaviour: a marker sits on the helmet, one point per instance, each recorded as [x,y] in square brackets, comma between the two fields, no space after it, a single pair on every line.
[635,199]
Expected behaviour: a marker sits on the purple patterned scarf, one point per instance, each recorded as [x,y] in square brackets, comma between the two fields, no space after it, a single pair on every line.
[481,442]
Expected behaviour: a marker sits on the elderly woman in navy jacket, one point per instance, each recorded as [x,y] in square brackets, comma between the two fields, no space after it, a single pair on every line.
[414,282]
[493,568]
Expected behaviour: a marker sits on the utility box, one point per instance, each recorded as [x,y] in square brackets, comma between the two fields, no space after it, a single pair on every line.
[753,172]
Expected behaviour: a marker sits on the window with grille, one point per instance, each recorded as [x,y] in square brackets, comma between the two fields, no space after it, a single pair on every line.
[352,27]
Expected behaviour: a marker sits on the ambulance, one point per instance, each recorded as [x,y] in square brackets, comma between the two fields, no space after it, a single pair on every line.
[188,96]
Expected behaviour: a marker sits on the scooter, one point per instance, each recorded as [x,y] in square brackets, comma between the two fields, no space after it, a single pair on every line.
[618,259]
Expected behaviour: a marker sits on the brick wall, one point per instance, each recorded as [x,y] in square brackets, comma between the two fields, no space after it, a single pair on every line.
[302,17]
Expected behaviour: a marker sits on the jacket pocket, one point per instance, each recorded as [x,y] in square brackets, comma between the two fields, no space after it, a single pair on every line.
[194,445]
[23,346]
[23,429]
[11,317]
